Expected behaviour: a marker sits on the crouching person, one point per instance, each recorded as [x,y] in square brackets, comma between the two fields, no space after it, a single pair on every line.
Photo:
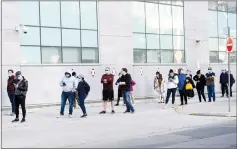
[68,85]
[83,90]
[188,88]
[21,88]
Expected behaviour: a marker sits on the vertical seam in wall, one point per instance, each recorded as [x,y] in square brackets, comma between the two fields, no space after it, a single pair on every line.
[61,30]
[98,43]
[159,49]
[145,29]
[80,49]
[41,58]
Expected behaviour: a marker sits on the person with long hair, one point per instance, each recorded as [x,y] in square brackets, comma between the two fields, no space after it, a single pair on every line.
[159,87]
[200,85]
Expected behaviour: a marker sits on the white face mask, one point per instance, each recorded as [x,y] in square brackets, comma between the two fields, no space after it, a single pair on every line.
[209,71]
[67,75]
[171,74]
[19,77]
[123,73]
[10,74]
[107,71]
[79,79]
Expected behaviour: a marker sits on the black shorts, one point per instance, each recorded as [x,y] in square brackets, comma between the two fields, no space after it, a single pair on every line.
[120,93]
[108,95]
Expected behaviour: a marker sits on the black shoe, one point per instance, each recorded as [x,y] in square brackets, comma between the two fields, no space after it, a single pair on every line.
[102,112]
[186,103]
[15,120]
[84,115]
[181,104]
[209,101]
[133,112]
[127,112]
[222,96]
[230,95]
[116,104]
[23,120]
[113,112]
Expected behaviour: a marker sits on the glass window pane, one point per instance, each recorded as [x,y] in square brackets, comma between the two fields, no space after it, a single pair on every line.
[153,56]
[234,45]
[32,37]
[50,37]
[167,57]
[139,41]
[70,14]
[232,6]
[50,13]
[138,12]
[213,57]
[178,42]
[180,3]
[213,44]
[232,24]
[165,19]
[71,55]
[166,42]
[222,23]
[213,24]
[233,57]
[222,44]
[152,18]
[179,57]
[89,38]
[51,55]
[178,28]
[139,56]
[165,2]
[31,8]
[152,41]
[212,5]
[90,55]
[71,38]
[222,5]
[223,57]
[30,55]
[88,15]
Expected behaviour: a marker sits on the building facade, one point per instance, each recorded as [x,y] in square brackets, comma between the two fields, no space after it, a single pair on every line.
[90,35]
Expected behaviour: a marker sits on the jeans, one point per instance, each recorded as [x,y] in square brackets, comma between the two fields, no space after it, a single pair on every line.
[126,97]
[82,103]
[169,91]
[12,100]
[20,100]
[64,97]
[211,92]
[201,94]
[183,97]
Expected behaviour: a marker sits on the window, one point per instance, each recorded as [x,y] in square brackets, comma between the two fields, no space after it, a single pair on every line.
[59,32]
[221,15]
[158,32]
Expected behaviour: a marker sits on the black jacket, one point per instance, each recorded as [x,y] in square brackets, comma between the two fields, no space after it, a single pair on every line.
[224,78]
[83,88]
[127,79]
[232,79]
[202,81]
[21,87]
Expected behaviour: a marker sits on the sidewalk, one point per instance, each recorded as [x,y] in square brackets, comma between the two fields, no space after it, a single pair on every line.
[218,108]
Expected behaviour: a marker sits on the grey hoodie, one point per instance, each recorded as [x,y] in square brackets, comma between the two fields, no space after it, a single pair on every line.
[70,84]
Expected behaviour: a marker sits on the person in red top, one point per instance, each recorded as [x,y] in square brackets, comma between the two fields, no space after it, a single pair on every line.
[11,90]
[107,80]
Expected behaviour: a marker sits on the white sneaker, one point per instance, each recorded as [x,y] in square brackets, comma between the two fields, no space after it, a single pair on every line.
[165,107]
[70,115]
[60,116]
[133,104]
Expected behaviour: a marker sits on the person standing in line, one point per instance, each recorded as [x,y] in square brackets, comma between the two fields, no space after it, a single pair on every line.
[200,85]
[210,77]
[232,82]
[159,86]
[68,85]
[107,80]
[119,90]
[10,90]
[21,88]
[182,78]
[75,100]
[188,88]
[132,91]
[83,90]
[125,83]
[172,83]
[188,73]
[224,82]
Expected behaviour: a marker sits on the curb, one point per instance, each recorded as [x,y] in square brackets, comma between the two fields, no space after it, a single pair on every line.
[214,114]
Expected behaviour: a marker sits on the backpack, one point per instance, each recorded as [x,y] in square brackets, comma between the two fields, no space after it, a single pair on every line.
[188,86]
[86,86]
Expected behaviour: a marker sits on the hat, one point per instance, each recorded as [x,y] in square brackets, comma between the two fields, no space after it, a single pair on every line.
[18,73]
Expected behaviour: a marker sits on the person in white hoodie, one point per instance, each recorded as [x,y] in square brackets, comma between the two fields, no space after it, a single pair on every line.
[172,83]
[68,85]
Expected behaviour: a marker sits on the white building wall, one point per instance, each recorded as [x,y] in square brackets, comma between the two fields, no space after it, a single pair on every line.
[116,51]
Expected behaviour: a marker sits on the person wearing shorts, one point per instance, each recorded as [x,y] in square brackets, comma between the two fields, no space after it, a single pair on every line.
[107,80]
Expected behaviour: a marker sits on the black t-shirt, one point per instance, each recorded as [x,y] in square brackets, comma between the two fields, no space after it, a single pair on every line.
[127,79]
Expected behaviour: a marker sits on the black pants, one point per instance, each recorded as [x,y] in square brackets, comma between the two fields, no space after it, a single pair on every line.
[183,97]
[169,92]
[224,88]
[201,94]
[20,100]
[231,89]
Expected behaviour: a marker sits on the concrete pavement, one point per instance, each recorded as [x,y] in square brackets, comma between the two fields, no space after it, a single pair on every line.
[43,129]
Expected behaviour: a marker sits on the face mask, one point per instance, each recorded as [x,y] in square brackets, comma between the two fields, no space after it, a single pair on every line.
[79,79]
[181,71]
[123,73]
[157,76]
[171,74]
[223,71]
[106,71]
[67,75]
[187,81]
[9,74]
[209,71]
[19,77]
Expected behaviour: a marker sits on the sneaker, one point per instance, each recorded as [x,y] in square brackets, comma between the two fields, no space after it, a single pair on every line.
[12,114]
[173,106]
[70,115]
[15,120]
[133,112]
[102,112]
[165,107]
[116,104]
[23,120]
[126,111]
[113,112]
[60,116]
[84,115]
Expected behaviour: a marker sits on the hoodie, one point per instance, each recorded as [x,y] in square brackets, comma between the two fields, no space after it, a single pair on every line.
[172,84]
[68,83]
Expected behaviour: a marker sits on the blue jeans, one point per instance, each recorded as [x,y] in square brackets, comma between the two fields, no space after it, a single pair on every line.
[12,100]
[169,92]
[82,103]
[126,97]
[211,92]
[64,97]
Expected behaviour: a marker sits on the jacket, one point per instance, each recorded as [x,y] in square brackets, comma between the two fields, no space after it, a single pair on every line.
[132,84]
[21,87]
[210,77]
[172,82]
[159,86]
[201,82]
[127,79]
[68,84]
[224,78]
[232,80]
[10,85]
[182,78]
[83,88]
[110,79]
